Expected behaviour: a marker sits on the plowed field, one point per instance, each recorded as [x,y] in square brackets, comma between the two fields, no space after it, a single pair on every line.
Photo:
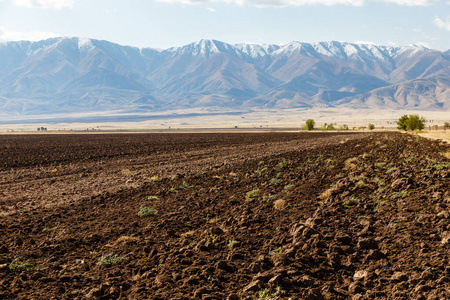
[224,216]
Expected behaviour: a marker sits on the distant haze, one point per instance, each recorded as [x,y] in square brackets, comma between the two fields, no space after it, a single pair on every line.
[67,75]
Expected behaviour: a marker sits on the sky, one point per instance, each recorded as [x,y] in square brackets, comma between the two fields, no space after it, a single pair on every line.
[171,23]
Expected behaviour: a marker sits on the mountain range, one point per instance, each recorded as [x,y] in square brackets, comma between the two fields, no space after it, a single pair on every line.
[67,75]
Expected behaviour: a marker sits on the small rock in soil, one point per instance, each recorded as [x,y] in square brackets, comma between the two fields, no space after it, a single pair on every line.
[367,243]
[375,255]
[399,277]
[252,286]
[95,293]
[343,238]
[334,260]
[161,280]
[362,274]
[4,268]
[277,280]
[355,288]
[224,265]
[445,237]
[443,214]
[201,291]
[307,232]
[232,297]
[313,294]
[280,260]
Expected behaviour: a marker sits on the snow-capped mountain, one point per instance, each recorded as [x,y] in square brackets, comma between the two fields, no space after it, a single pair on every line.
[83,75]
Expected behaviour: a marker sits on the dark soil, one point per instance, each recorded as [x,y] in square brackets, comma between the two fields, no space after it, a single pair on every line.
[231,216]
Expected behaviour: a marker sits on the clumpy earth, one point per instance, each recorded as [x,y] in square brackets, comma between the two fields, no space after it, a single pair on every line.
[224,216]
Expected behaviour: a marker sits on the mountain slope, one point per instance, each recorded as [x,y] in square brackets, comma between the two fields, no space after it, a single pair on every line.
[62,75]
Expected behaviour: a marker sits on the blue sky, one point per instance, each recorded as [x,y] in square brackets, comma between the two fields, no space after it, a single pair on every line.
[167,23]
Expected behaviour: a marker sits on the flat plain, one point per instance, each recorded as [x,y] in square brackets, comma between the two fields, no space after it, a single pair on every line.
[341,215]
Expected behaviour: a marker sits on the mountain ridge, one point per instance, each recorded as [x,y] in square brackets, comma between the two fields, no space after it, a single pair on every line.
[62,75]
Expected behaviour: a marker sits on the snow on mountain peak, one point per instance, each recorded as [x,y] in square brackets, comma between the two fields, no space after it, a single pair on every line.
[85,44]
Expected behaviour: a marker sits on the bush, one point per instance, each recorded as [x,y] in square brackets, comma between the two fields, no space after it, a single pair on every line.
[411,122]
[330,127]
[371,126]
[447,125]
[309,124]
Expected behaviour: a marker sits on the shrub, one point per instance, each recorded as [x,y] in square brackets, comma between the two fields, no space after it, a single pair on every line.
[330,127]
[447,125]
[371,126]
[309,124]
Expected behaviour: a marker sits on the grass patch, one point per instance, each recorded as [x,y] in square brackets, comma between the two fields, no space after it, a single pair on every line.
[18,265]
[352,201]
[391,170]
[269,198]
[251,194]
[275,252]
[398,195]
[110,259]
[126,172]
[442,166]
[268,294]
[153,197]
[49,229]
[350,163]
[184,186]
[379,205]
[145,211]
[288,186]
[274,181]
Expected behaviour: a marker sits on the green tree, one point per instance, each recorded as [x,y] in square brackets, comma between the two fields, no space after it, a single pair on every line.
[309,124]
[411,122]
[447,125]
[330,127]
[402,122]
[415,122]
[371,126]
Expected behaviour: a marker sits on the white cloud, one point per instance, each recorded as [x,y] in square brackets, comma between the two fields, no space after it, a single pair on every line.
[412,2]
[284,3]
[365,43]
[45,4]
[272,3]
[445,25]
[392,44]
[211,9]
[10,35]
